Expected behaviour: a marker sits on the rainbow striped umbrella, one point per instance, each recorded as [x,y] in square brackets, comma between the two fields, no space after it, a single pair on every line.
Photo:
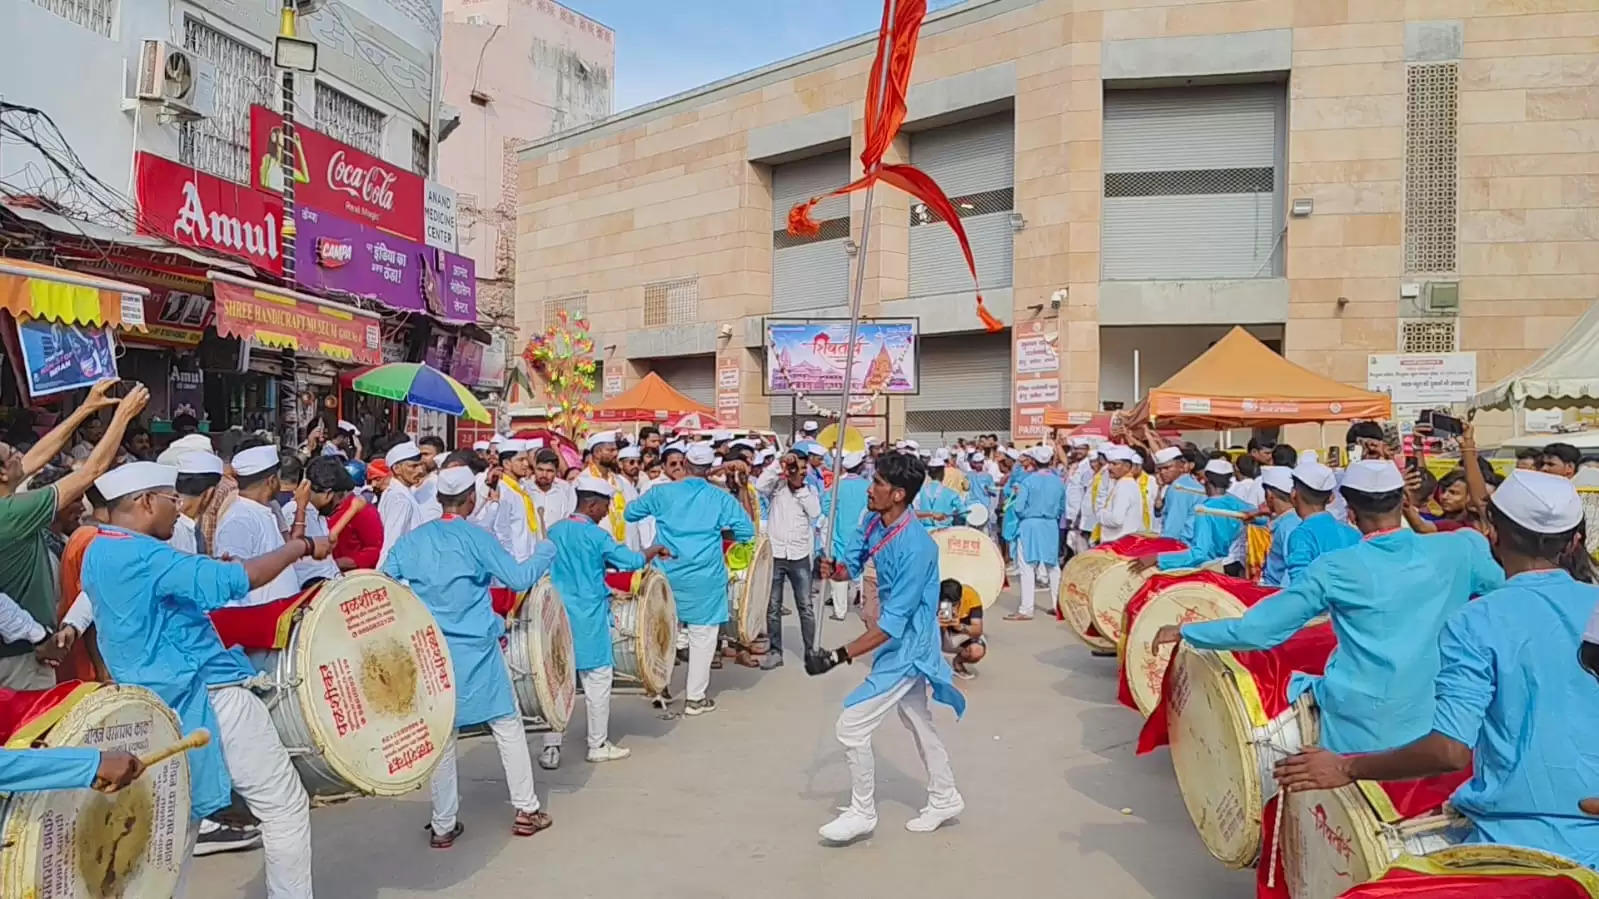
[422,385]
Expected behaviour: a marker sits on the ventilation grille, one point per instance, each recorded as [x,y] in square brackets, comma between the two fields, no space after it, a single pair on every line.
[1436,335]
[1431,168]
[575,304]
[673,302]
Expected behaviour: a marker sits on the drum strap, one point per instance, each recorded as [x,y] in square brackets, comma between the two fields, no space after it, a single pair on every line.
[527,501]
[876,524]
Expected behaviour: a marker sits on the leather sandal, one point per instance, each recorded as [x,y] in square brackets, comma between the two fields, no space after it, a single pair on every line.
[530,823]
[444,840]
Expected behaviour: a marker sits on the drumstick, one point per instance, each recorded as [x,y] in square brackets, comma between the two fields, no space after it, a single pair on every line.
[195,740]
[1225,513]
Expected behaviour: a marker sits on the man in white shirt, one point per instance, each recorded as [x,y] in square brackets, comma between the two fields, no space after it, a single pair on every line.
[516,520]
[199,473]
[793,509]
[1077,474]
[309,570]
[398,507]
[1096,491]
[248,527]
[554,499]
[1123,513]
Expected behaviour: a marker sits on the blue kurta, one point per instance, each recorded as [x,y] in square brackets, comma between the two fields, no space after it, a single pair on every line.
[583,550]
[690,516]
[936,499]
[1510,688]
[449,563]
[1209,537]
[1388,597]
[980,488]
[907,592]
[31,770]
[150,604]
[851,510]
[1315,537]
[1039,503]
[1009,521]
[1275,571]
[1182,495]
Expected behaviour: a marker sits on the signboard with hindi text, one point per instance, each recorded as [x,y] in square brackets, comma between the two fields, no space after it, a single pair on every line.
[808,357]
[1035,376]
[1423,379]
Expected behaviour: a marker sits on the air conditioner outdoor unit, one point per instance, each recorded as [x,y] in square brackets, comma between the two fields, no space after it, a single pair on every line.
[179,81]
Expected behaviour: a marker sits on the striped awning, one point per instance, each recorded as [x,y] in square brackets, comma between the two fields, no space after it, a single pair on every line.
[35,290]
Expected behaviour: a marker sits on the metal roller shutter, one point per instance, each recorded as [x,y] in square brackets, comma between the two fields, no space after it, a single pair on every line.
[692,376]
[810,273]
[966,385]
[1193,183]
[975,163]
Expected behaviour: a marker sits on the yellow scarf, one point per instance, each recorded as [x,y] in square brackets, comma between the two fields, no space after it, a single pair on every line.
[1093,500]
[527,502]
[618,504]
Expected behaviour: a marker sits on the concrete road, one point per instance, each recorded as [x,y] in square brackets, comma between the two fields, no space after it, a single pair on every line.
[728,804]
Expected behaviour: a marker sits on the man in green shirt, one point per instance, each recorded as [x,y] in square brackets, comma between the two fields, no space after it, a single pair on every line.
[25,572]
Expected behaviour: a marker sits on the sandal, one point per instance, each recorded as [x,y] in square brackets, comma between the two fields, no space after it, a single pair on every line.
[716,663]
[444,840]
[530,823]
[746,659]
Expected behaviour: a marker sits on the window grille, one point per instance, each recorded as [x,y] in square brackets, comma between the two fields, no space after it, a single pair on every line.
[419,153]
[220,144]
[1431,167]
[95,15]
[673,302]
[575,304]
[344,118]
[1430,335]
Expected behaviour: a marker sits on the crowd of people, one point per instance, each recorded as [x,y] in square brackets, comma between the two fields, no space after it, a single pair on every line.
[116,551]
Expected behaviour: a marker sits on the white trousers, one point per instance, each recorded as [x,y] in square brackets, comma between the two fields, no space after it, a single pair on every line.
[1026,572]
[701,650]
[264,776]
[597,697]
[855,728]
[839,592]
[512,743]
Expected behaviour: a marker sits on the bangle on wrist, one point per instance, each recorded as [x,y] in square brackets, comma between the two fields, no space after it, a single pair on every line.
[310,546]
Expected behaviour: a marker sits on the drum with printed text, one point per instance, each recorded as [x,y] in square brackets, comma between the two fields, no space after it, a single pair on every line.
[1172,600]
[643,631]
[749,592]
[363,693]
[1334,840]
[968,556]
[1076,585]
[82,844]
[538,651]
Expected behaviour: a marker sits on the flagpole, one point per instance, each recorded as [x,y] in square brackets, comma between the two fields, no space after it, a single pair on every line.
[886,51]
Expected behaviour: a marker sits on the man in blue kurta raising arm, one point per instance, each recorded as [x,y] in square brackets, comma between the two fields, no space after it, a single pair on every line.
[583,552]
[1512,702]
[150,603]
[67,768]
[1388,597]
[690,516]
[449,563]
[908,659]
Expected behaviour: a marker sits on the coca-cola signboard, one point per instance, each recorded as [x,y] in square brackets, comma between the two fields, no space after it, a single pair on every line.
[199,210]
[337,177]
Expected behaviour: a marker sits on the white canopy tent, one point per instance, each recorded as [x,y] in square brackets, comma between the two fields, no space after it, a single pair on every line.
[1566,375]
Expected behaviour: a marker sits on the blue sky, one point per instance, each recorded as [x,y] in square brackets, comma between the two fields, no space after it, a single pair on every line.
[667,46]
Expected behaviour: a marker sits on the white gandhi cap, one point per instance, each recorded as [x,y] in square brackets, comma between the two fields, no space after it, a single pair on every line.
[853,459]
[700,454]
[1278,477]
[1541,503]
[590,484]
[480,446]
[199,463]
[400,452]
[599,439]
[1315,475]
[632,452]
[1167,454]
[135,477]
[1041,454]
[1374,476]
[457,480]
[1218,466]
[256,459]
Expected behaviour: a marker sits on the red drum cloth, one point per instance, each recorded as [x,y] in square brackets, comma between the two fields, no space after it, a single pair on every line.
[1137,546]
[503,599]
[263,627]
[1154,732]
[625,581]
[26,715]
[1402,883]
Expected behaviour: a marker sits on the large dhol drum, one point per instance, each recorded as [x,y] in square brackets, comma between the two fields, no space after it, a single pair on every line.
[643,631]
[1107,598]
[1333,840]
[1482,869]
[81,844]
[1076,585]
[968,556]
[1176,601]
[749,592]
[538,652]
[363,692]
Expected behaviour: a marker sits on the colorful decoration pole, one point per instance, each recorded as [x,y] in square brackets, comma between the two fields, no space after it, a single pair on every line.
[563,357]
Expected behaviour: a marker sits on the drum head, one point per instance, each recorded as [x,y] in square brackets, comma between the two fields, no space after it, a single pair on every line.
[1472,857]
[1212,755]
[757,594]
[657,630]
[1076,583]
[1330,843]
[549,647]
[1107,600]
[379,691]
[977,515]
[968,556]
[79,843]
[1180,603]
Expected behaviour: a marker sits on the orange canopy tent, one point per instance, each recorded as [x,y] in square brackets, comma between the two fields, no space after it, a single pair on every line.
[651,399]
[1240,383]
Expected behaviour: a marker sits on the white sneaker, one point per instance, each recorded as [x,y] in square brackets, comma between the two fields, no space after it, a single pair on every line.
[932,818]
[550,758]
[850,825]
[609,753]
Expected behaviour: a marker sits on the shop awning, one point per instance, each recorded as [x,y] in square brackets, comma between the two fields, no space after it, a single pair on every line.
[651,399]
[1566,375]
[1240,383]
[35,290]
[280,317]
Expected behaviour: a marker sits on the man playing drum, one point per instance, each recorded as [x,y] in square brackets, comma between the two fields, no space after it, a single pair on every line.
[907,663]
[583,551]
[1388,597]
[67,768]
[250,527]
[1213,534]
[938,506]
[449,563]
[1319,532]
[690,516]
[150,603]
[1278,484]
[960,615]
[1510,702]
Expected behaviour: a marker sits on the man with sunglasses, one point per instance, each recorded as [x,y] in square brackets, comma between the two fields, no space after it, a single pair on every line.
[1510,703]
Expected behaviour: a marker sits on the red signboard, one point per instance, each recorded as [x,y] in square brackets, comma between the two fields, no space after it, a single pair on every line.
[280,318]
[336,177]
[199,210]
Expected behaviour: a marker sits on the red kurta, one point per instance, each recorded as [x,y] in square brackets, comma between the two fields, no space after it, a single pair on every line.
[360,533]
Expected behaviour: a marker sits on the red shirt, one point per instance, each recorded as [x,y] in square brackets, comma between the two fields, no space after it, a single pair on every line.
[361,540]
